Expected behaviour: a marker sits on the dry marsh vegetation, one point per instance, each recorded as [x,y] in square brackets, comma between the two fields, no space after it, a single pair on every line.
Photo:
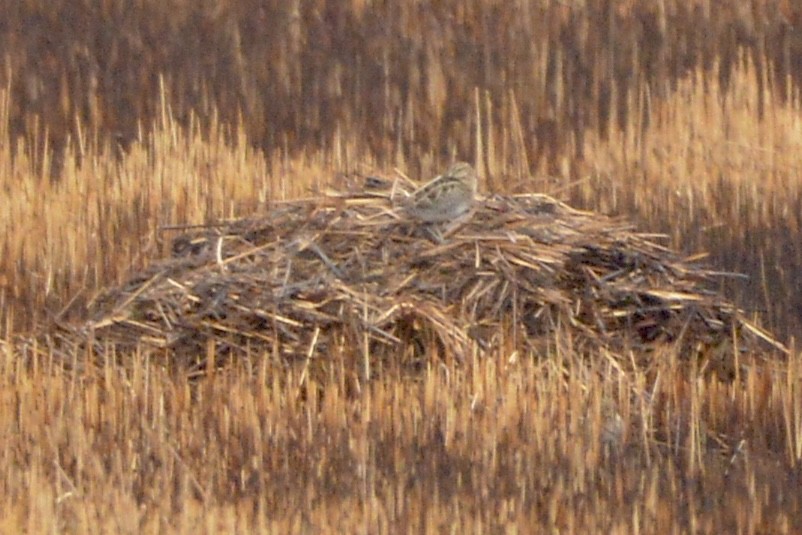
[719,170]
[685,116]
[497,443]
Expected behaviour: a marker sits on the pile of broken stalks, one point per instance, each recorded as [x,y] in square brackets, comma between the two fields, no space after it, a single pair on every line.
[347,274]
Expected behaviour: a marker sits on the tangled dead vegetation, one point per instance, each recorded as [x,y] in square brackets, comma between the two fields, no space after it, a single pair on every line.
[345,274]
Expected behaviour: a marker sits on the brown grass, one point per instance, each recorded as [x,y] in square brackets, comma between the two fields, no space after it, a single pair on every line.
[502,441]
[720,171]
[682,115]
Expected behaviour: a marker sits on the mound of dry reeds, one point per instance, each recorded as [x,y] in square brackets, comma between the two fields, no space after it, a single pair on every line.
[346,273]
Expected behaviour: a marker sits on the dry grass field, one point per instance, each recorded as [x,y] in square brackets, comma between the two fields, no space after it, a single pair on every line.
[124,119]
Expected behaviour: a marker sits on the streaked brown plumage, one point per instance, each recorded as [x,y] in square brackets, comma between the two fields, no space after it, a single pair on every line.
[446,196]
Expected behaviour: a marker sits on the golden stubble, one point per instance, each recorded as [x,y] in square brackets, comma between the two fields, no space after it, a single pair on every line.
[541,438]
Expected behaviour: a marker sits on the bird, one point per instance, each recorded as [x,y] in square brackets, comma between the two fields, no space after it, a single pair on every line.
[445,197]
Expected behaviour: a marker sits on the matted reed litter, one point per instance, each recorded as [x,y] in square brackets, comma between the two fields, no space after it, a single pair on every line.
[345,272]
